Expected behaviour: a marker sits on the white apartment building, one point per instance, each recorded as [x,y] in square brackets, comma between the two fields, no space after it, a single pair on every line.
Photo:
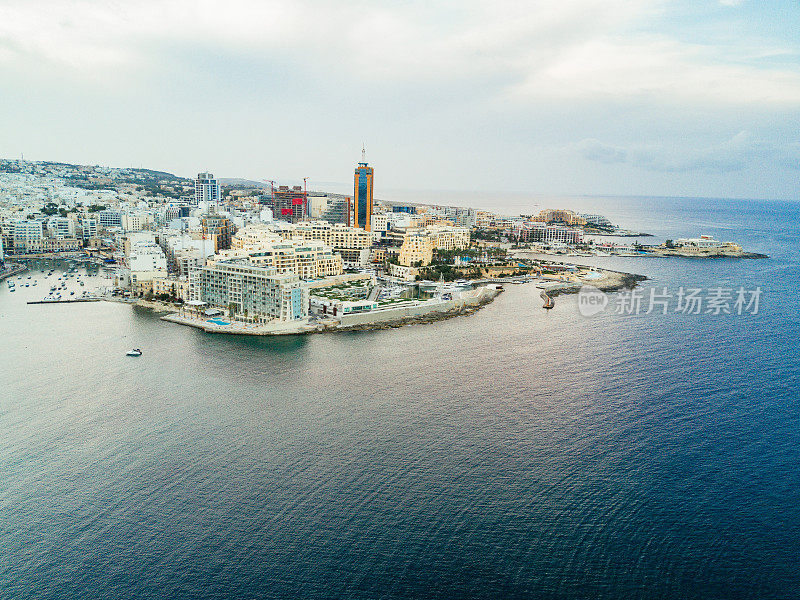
[380,222]
[185,251]
[137,220]
[108,218]
[26,234]
[549,233]
[704,241]
[206,189]
[89,227]
[60,227]
[253,293]
[145,261]
[146,258]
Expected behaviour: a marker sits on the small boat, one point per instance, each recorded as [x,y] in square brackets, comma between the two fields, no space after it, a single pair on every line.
[548,301]
[134,352]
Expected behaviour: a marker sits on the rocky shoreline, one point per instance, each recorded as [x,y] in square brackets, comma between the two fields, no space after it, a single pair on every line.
[419,320]
[613,281]
[707,253]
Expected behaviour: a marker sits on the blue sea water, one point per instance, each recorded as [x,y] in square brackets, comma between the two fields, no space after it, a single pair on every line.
[514,453]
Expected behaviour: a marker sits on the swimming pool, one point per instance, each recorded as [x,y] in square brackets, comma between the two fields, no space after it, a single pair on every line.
[218,322]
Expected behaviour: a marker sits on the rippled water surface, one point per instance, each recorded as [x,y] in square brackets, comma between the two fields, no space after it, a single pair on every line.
[515,452]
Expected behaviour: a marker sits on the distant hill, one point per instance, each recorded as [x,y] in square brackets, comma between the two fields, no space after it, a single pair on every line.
[238,182]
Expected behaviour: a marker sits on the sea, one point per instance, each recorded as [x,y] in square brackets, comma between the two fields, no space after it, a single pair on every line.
[640,452]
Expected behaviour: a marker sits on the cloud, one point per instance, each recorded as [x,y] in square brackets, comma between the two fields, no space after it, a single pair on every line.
[734,154]
[523,52]
[660,70]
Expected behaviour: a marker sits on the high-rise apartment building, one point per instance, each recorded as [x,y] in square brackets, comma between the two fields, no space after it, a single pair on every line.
[206,189]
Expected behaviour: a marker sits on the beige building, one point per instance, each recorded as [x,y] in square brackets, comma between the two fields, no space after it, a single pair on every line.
[351,243]
[558,215]
[254,235]
[335,235]
[449,238]
[306,259]
[417,248]
[178,287]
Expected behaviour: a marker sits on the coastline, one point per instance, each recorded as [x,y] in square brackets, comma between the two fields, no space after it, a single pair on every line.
[383,319]
[612,281]
[700,253]
[412,314]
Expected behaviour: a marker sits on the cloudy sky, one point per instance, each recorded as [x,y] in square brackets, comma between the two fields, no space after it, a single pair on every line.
[642,97]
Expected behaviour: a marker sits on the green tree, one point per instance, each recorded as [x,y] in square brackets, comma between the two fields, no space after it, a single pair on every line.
[49,209]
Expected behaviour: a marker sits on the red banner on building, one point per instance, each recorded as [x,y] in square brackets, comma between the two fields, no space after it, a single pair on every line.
[286,211]
[297,201]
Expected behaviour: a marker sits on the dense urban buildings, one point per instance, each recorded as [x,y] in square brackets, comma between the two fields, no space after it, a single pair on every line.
[253,254]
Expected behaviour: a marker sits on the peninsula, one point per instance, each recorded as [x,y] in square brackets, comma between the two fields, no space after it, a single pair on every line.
[263,259]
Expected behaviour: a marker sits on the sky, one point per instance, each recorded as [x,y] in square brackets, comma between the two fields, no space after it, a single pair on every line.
[590,97]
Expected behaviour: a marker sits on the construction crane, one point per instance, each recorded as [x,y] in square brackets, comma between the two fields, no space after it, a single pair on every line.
[305,197]
[271,183]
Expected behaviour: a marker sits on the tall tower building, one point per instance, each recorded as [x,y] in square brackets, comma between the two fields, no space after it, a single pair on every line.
[206,189]
[362,194]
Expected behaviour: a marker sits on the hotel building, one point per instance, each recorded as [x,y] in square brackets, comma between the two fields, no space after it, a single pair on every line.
[253,293]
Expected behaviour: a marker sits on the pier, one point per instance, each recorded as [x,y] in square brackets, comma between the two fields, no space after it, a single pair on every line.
[64,301]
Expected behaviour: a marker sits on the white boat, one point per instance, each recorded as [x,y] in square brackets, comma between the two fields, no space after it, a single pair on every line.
[134,352]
